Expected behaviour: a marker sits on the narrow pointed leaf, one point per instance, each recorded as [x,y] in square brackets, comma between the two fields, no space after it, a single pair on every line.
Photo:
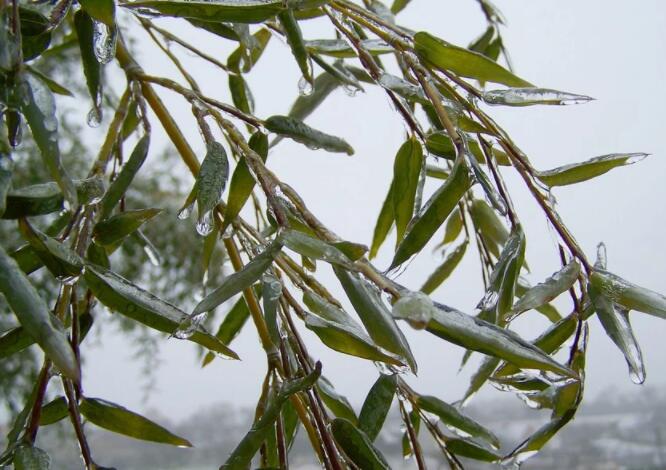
[230,327]
[295,40]
[353,251]
[335,402]
[271,291]
[463,62]
[445,269]
[532,96]
[240,93]
[122,296]
[249,58]
[341,49]
[436,210]
[101,10]
[471,450]
[14,340]
[117,227]
[486,221]
[357,446]
[440,144]
[454,226]
[375,316]
[628,295]
[92,69]
[34,315]
[384,223]
[406,172]
[304,134]
[548,290]
[28,457]
[235,283]
[326,310]
[212,178]
[377,405]
[120,420]
[58,258]
[247,11]
[53,411]
[480,377]
[304,105]
[313,248]
[578,172]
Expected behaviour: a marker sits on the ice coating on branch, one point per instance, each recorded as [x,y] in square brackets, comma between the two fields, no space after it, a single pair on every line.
[531,96]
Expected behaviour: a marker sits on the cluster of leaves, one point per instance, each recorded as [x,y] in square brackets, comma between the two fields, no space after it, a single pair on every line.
[93,222]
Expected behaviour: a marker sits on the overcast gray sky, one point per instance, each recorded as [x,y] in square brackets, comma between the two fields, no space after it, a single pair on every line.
[611,50]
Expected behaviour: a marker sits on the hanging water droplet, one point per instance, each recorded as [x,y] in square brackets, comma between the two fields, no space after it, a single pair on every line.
[488,301]
[637,375]
[205,223]
[305,87]
[69,280]
[189,325]
[94,118]
[66,205]
[384,368]
[104,42]
[350,90]
[514,461]
[16,137]
[186,211]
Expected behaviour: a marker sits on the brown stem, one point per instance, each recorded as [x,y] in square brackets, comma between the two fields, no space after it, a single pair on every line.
[75,418]
[413,438]
[35,414]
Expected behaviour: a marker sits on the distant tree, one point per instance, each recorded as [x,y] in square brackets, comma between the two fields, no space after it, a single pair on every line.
[80,227]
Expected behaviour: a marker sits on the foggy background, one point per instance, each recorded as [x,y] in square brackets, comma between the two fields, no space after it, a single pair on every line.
[611,50]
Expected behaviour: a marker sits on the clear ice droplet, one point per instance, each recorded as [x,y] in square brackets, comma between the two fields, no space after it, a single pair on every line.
[205,223]
[305,87]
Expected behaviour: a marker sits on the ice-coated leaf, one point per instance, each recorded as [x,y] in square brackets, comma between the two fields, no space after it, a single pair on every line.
[234,11]
[122,296]
[14,340]
[240,280]
[240,93]
[120,420]
[384,223]
[304,134]
[486,221]
[445,269]
[233,322]
[357,446]
[440,144]
[615,321]
[471,450]
[271,291]
[295,40]
[242,181]
[92,69]
[323,85]
[547,310]
[532,96]
[326,310]
[35,317]
[335,402]
[27,457]
[35,33]
[377,405]
[492,194]
[114,229]
[60,260]
[435,212]
[454,226]
[578,172]
[353,251]
[480,377]
[342,50]
[406,173]
[313,248]
[479,335]
[375,316]
[628,295]
[463,62]
[38,107]
[407,90]
[455,420]
[342,338]
[54,86]
[242,60]
[212,178]
[101,10]
[548,290]
[124,179]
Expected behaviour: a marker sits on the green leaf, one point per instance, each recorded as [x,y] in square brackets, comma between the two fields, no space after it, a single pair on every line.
[120,420]
[304,105]
[455,420]
[6,171]
[454,225]
[480,377]
[578,172]
[38,107]
[326,310]
[242,60]
[353,251]
[615,321]
[304,134]
[471,450]
[54,86]
[114,229]
[27,457]
[486,221]
[294,38]
[246,11]
[34,315]
[242,455]
[239,280]
[628,295]
[345,339]
[440,144]
[271,291]
[384,223]
[53,411]
[241,94]
[313,248]
[377,406]
[357,446]
[35,33]
[449,58]
[375,316]
[60,260]
[13,341]
[342,50]
[230,327]
[212,179]
[130,300]
[406,173]
[92,69]
[445,269]
[101,10]
[435,212]
[335,402]
[119,186]
[548,290]
[532,96]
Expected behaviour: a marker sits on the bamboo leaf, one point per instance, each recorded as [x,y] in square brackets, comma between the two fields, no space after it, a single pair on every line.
[440,144]
[53,411]
[532,96]
[101,10]
[35,317]
[230,327]
[326,310]
[435,212]
[454,226]
[341,49]
[445,269]
[406,172]
[54,86]
[60,260]
[35,33]
[353,251]
[14,340]
[375,316]
[304,134]
[447,57]
[27,457]
[335,402]
[240,280]
[486,221]
[242,60]
[377,406]
[357,446]
[628,295]
[480,377]
[114,229]
[211,181]
[92,69]
[122,296]
[295,40]
[578,172]
[313,248]
[384,223]
[120,420]
[471,450]
[247,11]
[324,84]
